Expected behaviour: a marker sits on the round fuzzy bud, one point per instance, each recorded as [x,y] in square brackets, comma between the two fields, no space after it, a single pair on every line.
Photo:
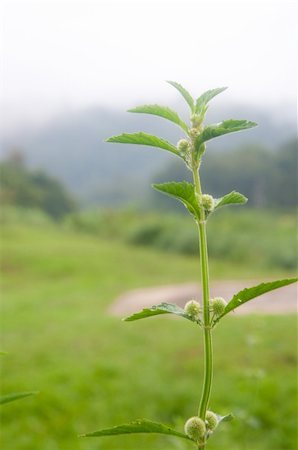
[211,420]
[218,305]
[195,428]
[183,145]
[208,202]
[192,308]
[194,132]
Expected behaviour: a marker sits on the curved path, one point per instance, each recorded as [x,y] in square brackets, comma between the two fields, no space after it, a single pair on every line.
[280,301]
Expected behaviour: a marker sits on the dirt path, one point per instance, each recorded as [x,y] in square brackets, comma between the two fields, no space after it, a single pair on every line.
[280,301]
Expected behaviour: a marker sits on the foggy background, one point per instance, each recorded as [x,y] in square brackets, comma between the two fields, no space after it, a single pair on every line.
[70,70]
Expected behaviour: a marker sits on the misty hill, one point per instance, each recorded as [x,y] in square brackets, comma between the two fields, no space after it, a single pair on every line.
[72,149]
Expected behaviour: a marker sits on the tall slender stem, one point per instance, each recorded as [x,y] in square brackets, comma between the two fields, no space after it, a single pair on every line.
[208,350]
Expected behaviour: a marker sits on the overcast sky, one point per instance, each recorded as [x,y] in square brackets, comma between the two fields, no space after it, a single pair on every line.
[66,55]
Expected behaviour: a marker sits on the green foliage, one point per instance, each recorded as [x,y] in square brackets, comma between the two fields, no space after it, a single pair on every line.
[250,293]
[222,128]
[162,111]
[267,177]
[143,139]
[7,398]
[184,192]
[138,426]
[15,396]
[233,198]
[275,252]
[199,205]
[162,308]
[33,189]
[204,99]
[185,94]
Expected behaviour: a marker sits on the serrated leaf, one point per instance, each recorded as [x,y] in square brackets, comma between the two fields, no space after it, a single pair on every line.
[225,127]
[185,94]
[183,191]
[15,396]
[161,111]
[162,308]
[138,426]
[144,139]
[205,98]
[233,198]
[250,293]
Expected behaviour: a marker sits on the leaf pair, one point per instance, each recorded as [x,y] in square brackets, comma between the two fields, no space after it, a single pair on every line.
[185,193]
[200,105]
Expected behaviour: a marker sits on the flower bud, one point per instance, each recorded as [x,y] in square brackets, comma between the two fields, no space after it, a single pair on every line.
[183,145]
[194,132]
[218,305]
[193,308]
[208,202]
[195,428]
[196,120]
[211,420]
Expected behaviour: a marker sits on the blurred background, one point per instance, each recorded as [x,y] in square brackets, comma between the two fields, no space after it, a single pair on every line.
[81,226]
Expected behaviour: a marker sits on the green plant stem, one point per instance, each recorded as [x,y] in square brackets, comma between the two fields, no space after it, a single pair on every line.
[208,349]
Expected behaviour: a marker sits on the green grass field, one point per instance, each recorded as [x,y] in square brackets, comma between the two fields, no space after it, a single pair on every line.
[93,370]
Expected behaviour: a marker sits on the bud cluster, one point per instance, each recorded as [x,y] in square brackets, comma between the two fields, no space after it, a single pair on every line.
[194,133]
[208,202]
[195,428]
[193,309]
[217,305]
[183,146]
[211,421]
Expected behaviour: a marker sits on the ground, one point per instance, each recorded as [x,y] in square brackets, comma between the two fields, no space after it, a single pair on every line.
[275,302]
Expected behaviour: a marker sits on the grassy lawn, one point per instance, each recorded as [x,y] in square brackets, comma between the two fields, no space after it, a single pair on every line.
[93,370]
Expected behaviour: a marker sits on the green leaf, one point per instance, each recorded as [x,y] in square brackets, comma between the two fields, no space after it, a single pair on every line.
[226,418]
[12,397]
[233,198]
[162,308]
[225,127]
[185,94]
[249,293]
[184,192]
[204,99]
[161,111]
[138,426]
[144,139]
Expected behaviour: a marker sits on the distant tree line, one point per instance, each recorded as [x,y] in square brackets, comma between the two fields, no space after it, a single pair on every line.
[267,178]
[26,188]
